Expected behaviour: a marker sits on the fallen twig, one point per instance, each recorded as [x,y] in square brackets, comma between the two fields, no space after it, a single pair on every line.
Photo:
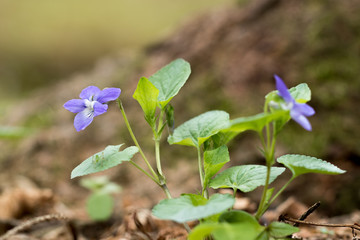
[28,224]
[354,226]
[308,212]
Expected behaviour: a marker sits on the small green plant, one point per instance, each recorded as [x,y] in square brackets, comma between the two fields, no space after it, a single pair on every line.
[100,203]
[208,134]
[7,132]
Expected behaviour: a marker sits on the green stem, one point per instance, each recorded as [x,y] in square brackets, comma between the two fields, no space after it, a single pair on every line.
[156,178]
[234,192]
[267,205]
[263,197]
[166,190]
[157,157]
[278,193]
[261,135]
[135,141]
[269,152]
[145,172]
[267,127]
[157,137]
[201,172]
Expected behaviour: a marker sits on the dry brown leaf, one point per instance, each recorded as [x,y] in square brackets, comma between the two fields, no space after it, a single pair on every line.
[15,203]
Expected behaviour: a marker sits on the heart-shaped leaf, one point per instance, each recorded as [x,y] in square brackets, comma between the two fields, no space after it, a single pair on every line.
[169,79]
[100,184]
[244,178]
[103,160]
[301,93]
[226,231]
[147,94]
[218,140]
[239,125]
[280,229]
[100,206]
[190,207]
[235,216]
[256,122]
[300,164]
[214,160]
[197,130]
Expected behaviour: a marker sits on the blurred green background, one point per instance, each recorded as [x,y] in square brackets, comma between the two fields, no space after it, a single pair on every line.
[42,41]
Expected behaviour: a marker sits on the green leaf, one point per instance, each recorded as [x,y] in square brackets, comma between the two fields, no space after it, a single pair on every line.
[218,140]
[256,122]
[203,230]
[108,158]
[238,231]
[268,195]
[169,79]
[226,231]
[300,164]
[301,93]
[190,207]
[280,229]
[211,219]
[100,184]
[100,206]
[245,178]
[146,94]
[94,183]
[236,216]
[214,160]
[197,130]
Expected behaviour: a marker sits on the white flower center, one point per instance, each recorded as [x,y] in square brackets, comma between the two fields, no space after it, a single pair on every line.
[89,104]
[287,105]
[89,110]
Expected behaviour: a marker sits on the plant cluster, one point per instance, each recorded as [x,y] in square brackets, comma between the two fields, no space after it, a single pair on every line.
[209,133]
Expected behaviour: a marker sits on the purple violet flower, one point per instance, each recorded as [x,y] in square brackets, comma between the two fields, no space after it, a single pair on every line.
[92,103]
[298,111]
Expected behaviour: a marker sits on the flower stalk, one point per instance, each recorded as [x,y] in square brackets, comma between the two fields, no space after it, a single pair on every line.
[269,152]
[157,138]
[136,142]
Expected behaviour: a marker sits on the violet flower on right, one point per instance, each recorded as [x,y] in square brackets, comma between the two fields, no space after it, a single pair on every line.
[298,111]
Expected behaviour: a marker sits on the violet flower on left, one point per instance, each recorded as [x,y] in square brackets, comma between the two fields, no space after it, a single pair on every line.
[92,103]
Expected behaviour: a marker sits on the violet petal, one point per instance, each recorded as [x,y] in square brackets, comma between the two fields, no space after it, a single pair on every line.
[283,90]
[99,108]
[107,94]
[301,119]
[83,119]
[89,92]
[304,109]
[75,105]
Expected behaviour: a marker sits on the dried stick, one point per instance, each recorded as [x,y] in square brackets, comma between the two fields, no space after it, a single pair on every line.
[28,224]
[354,226]
[307,213]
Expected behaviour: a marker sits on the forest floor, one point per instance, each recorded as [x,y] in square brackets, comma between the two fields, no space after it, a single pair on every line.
[38,201]
[30,213]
